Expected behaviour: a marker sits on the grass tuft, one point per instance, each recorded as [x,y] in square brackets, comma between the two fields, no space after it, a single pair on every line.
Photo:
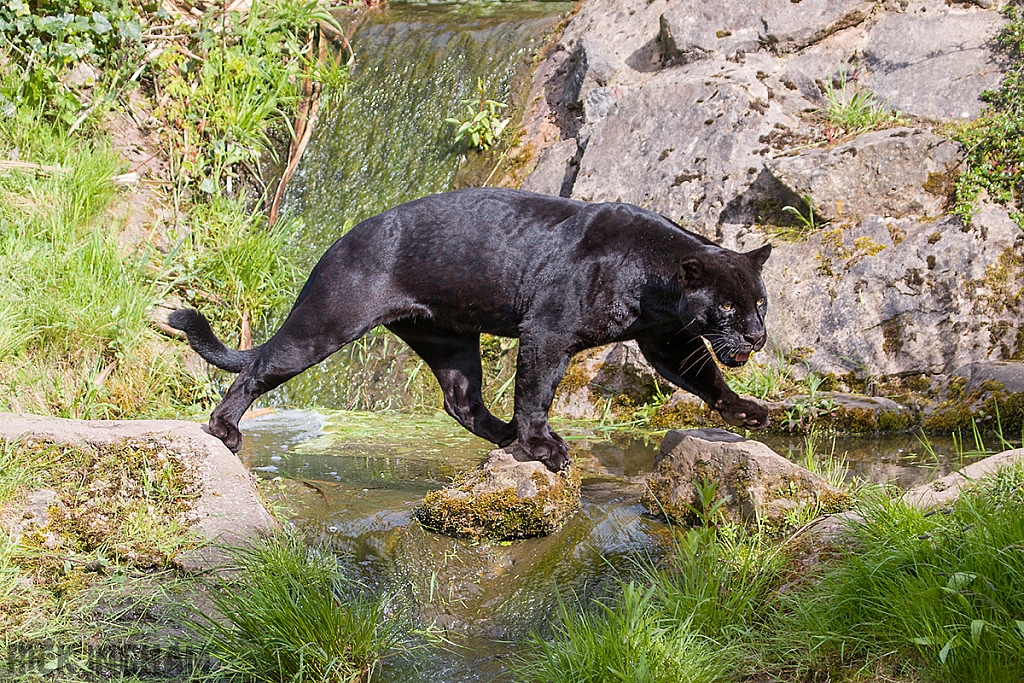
[290,614]
[941,592]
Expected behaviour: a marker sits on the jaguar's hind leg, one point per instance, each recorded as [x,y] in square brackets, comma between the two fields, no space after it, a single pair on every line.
[454,357]
[317,327]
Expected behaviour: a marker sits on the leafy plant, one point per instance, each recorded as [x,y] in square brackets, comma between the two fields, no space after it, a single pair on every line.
[240,79]
[483,125]
[42,40]
[994,160]
[943,590]
[806,223]
[850,109]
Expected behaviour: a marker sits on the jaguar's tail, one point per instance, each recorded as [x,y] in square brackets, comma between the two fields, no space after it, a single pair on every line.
[205,342]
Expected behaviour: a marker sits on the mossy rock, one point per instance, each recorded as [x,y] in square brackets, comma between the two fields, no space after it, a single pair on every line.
[503,499]
[753,485]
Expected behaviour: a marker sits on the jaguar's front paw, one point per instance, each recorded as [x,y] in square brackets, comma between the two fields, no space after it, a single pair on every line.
[740,412]
[551,451]
[226,432]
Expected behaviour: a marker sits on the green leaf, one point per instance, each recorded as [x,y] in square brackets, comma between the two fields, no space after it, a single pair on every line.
[960,580]
[946,649]
[977,627]
[130,30]
[100,24]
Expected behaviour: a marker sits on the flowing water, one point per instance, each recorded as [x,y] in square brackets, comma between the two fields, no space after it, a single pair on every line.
[384,141]
[353,479]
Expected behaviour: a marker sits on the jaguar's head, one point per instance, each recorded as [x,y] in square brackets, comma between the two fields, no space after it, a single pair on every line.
[724,301]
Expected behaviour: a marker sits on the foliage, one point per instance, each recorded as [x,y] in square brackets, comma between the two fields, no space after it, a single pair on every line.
[483,126]
[942,591]
[629,639]
[231,265]
[239,78]
[42,40]
[994,161]
[74,340]
[290,614]
[806,224]
[691,617]
[80,586]
[851,109]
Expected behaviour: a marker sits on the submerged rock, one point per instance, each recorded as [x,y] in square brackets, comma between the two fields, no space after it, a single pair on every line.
[758,485]
[503,499]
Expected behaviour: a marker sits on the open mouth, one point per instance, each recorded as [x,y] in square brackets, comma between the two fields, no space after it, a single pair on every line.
[742,357]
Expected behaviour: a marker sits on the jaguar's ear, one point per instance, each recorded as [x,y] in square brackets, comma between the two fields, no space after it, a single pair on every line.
[692,271]
[759,256]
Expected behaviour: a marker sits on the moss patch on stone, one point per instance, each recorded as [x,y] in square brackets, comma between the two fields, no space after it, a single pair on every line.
[462,510]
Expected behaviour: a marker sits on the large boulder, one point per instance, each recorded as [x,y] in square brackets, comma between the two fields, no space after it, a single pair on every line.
[227,508]
[712,115]
[900,296]
[896,173]
[614,378]
[934,64]
[503,499]
[758,486]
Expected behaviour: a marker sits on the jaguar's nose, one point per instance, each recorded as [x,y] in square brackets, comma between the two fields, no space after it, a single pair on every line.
[756,341]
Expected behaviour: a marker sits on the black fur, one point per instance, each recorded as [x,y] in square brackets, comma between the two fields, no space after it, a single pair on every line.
[560,275]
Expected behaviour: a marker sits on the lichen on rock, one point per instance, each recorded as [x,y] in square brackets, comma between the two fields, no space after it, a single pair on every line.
[503,499]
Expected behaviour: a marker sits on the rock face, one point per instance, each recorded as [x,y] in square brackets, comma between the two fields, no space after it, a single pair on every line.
[615,378]
[711,113]
[503,499]
[895,173]
[228,510]
[759,485]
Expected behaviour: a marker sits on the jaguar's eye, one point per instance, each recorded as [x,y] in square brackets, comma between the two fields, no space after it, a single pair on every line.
[760,302]
[726,307]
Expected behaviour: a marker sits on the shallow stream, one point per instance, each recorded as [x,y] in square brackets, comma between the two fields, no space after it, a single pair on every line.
[352,480]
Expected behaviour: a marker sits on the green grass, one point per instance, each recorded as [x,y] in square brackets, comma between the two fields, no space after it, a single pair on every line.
[290,614]
[693,616]
[938,594]
[74,339]
[851,109]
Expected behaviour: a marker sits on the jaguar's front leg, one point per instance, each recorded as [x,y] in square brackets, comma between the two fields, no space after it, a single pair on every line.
[539,368]
[686,362]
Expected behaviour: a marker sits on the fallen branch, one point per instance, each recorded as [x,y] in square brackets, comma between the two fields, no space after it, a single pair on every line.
[26,166]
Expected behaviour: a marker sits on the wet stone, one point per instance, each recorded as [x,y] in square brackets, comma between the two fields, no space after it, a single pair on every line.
[503,499]
[759,486]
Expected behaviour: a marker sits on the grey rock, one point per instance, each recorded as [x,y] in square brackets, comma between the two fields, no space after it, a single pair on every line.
[695,29]
[553,174]
[696,153]
[790,26]
[899,172]
[895,296]
[1009,374]
[594,65]
[229,509]
[604,374]
[934,65]
[947,489]
[505,498]
[759,486]
[600,102]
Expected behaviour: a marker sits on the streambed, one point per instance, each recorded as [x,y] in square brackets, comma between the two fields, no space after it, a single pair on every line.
[352,479]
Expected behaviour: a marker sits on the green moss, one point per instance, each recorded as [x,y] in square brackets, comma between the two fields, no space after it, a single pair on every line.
[892,336]
[500,515]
